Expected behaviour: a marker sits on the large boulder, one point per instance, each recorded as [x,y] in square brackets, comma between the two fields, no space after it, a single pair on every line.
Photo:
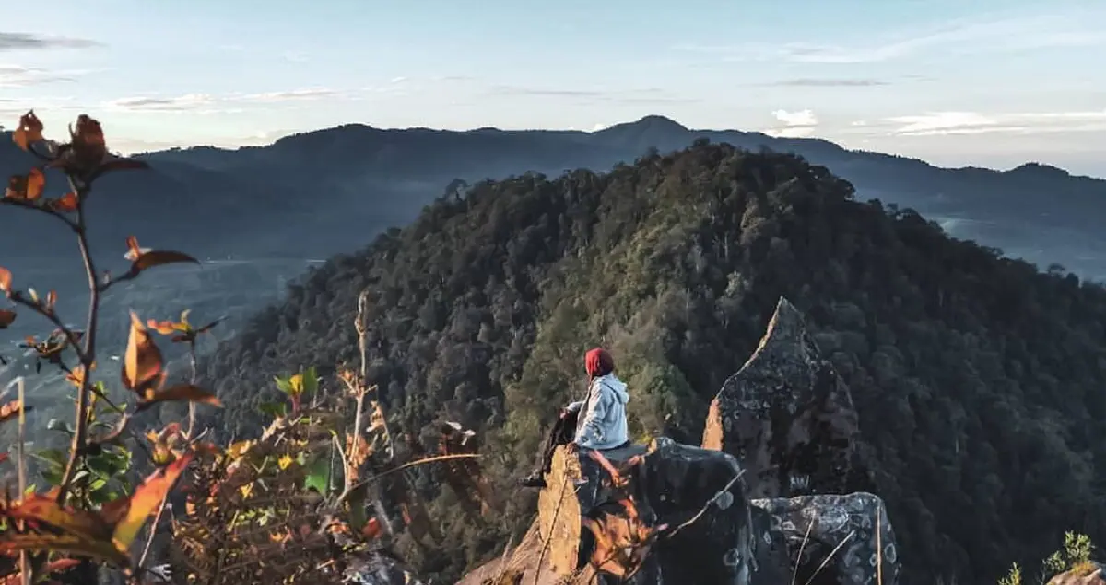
[671,513]
[835,539]
[787,416]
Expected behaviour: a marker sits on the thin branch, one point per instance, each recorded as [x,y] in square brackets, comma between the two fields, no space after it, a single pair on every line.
[879,547]
[703,510]
[191,403]
[30,204]
[830,556]
[24,559]
[80,434]
[802,547]
[153,532]
[416,463]
[70,335]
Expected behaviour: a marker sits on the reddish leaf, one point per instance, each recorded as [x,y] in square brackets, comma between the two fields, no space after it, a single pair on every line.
[160,257]
[186,392]
[142,359]
[7,317]
[36,182]
[67,202]
[28,131]
[50,568]
[133,249]
[11,410]
[146,501]
[98,549]
[372,529]
[47,510]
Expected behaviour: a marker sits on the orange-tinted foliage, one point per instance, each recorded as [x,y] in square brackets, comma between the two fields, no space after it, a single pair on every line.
[28,131]
[142,359]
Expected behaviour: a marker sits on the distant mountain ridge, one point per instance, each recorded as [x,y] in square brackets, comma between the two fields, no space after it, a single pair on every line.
[1004,209]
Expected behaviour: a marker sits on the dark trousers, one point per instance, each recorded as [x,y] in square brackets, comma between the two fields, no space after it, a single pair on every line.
[562,432]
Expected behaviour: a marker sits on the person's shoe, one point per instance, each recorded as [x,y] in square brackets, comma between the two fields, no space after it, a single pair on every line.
[532,481]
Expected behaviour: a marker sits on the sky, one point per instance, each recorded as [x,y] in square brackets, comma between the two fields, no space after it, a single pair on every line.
[993,83]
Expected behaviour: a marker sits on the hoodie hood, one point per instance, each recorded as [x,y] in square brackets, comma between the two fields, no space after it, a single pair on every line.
[617,387]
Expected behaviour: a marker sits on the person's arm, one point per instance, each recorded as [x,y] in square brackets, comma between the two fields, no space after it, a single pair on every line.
[596,410]
[574,406]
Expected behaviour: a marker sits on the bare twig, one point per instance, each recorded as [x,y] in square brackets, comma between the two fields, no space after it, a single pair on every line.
[153,532]
[21,471]
[879,548]
[70,335]
[802,547]
[416,463]
[830,556]
[703,510]
[503,560]
[191,403]
[25,204]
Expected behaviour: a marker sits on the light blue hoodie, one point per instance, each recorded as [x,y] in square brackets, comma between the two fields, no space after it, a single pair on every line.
[603,424]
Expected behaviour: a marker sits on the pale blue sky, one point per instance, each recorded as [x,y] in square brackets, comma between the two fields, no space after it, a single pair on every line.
[984,82]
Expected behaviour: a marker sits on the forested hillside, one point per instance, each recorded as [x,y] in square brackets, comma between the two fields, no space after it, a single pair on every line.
[979,381]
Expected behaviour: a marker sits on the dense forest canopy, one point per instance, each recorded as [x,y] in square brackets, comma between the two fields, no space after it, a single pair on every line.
[979,381]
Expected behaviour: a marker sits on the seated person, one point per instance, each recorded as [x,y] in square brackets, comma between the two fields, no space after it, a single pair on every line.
[597,422]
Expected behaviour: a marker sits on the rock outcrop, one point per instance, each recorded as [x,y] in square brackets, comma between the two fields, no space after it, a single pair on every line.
[835,539]
[787,416]
[761,503]
[669,513]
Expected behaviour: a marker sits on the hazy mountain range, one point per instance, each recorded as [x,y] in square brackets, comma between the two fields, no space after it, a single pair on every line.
[260,215]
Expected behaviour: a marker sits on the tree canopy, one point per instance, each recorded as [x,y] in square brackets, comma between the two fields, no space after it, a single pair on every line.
[979,380]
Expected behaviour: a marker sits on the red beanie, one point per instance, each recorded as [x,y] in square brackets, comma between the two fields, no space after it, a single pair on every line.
[598,362]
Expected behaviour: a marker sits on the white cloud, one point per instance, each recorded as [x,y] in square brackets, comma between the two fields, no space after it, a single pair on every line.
[284,96]
[16,76]
[795,124]
[958,37]
[976,123]
[200,103]
[12,41]
[187,102]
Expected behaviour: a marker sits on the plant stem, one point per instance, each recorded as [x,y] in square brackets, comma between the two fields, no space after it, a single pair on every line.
[80,434]
[24,558]
[191,403]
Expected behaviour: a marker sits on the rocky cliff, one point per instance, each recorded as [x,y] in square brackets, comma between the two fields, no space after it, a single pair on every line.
[761,502]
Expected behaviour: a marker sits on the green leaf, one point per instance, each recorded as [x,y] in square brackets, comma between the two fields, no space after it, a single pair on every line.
[310,381]
[318,475]
[273,409]
[284,384]
[54,457]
